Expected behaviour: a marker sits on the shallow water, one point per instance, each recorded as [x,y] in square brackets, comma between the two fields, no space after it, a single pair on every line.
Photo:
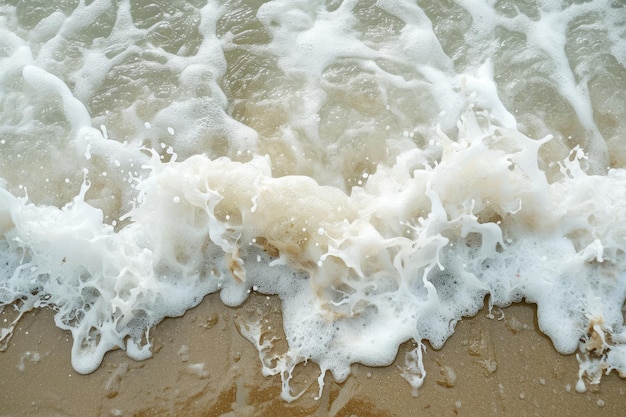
[381,166]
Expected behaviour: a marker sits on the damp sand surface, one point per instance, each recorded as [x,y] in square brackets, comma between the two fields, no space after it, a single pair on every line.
[203,366]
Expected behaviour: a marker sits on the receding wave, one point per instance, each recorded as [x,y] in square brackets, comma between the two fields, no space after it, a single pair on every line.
[383,167]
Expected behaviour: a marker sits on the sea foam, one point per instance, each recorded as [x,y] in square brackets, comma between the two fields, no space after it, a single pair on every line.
[376,170]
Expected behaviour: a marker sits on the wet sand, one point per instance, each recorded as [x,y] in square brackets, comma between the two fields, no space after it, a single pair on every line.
[202,366]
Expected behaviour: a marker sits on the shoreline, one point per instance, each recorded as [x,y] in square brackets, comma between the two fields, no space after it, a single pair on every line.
[202,366]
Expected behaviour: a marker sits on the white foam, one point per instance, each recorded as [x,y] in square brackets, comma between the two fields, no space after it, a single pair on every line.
[377,178]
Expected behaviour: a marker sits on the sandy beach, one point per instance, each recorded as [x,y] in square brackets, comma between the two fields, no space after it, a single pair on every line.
[202,366]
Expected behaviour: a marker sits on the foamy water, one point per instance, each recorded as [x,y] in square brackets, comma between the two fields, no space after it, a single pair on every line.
[380,166]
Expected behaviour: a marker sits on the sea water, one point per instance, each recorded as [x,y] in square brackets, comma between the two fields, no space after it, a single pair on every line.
[381,166]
